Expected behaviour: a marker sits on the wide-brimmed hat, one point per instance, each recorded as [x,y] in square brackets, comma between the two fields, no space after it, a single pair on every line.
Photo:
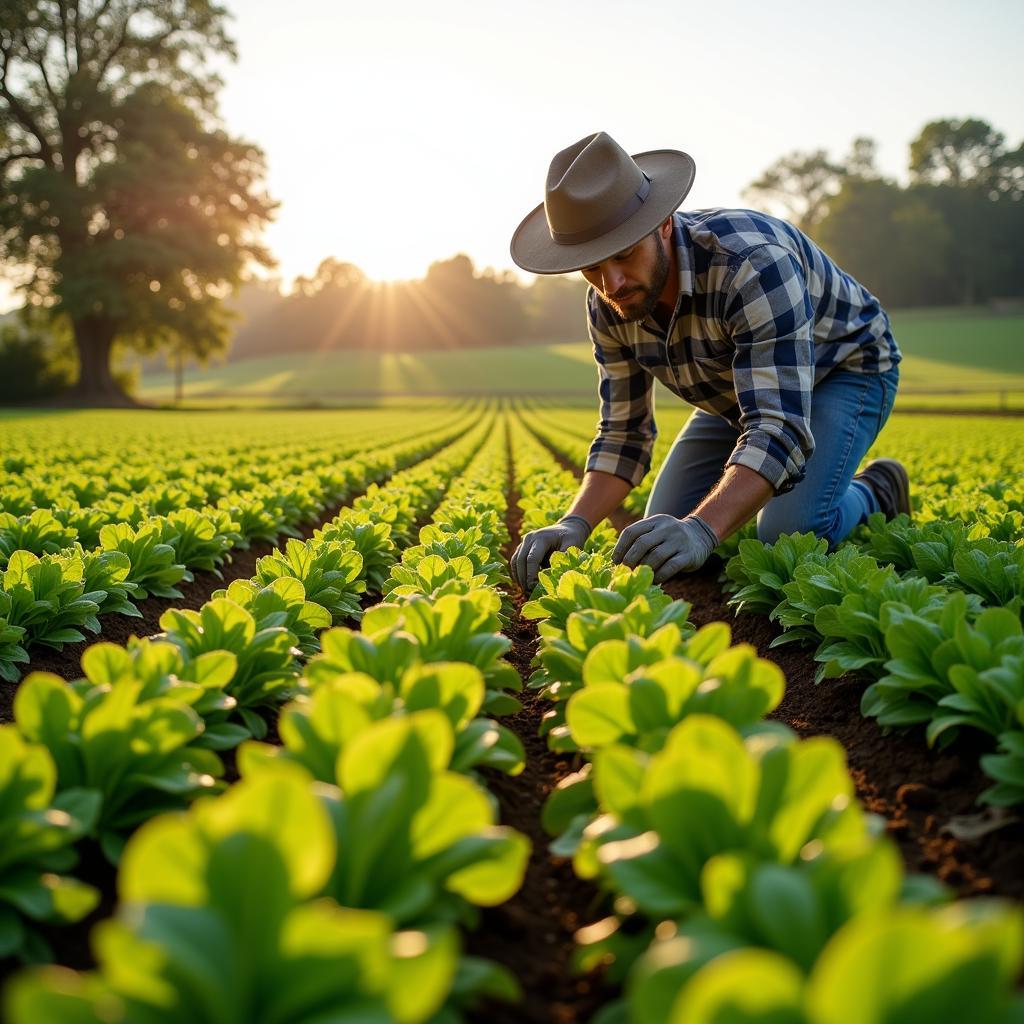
[599,200]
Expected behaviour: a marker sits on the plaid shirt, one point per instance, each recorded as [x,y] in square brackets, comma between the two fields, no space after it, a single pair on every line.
[763,315]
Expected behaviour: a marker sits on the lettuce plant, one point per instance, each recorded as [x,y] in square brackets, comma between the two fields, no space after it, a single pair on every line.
[1006,766]
[281,603]
[909,965]
[925,548]
[946,670]
[257,515]
[602,587]
[433,577]
[136,754]
[756,575]
[39,532]
[992,569]
[106,573]
[415,840]
[456,627]
[266,656]
[39,832]
[463,547]
[372,539]
[164,670]
[330,573]
[155,568]
[190,944]
[203,540]
[316,728]
[48,599]
[12,651]
[85,522]
[561,658]
[637,705]
[708,792]
[485,518]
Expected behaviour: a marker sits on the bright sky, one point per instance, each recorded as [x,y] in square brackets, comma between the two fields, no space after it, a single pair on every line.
[401,132]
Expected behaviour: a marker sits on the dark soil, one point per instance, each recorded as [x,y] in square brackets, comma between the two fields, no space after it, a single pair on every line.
[533,933]
[916,790]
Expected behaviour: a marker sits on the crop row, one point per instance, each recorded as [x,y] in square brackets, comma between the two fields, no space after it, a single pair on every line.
[931,609]
[747,882]
[52,587]
[286,898]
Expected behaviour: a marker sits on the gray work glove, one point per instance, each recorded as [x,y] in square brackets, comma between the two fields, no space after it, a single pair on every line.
[668,545]
[537,545]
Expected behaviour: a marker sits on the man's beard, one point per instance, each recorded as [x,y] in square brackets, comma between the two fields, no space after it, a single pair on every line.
[646,296]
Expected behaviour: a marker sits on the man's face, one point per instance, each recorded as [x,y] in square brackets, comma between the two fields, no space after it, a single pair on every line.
[631,282]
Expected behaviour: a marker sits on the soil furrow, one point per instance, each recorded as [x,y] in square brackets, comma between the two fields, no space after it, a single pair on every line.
[533,933]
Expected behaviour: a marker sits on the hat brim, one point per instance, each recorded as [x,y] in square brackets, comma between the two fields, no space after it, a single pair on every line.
[671,172]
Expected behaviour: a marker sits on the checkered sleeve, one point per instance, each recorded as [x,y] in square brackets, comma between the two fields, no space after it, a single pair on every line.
[626,431]
[769,314]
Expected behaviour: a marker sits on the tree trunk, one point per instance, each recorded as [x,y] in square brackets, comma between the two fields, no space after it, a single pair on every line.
[94,337]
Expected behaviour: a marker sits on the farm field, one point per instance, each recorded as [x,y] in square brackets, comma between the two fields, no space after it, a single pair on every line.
[278,731]
[953,359]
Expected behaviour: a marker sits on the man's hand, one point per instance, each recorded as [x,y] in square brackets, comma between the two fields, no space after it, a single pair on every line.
[536,546]
[668,545]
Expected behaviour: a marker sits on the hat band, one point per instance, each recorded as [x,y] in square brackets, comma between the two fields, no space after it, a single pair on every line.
[621,215]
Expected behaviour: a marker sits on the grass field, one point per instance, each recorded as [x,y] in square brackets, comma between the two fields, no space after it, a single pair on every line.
[953,358]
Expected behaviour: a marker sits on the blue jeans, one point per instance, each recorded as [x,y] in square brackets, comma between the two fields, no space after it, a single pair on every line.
[847,412]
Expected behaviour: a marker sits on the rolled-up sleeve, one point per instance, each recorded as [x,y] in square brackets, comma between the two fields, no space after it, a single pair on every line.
[769,315]
[626,431]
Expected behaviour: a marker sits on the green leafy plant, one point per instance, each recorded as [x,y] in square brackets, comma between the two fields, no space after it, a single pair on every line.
[709,792]
[203,540]
[37,852]
[316,728]
[281,603]
[330,574]
[456,627]
[39,532]
[191,943]
[155,568]
[370,538]
[266,667]
[48,599]
[756,575]
[638,704]
[136,754]
[908,965]
[414,839]
[105,575]
[948,671]
[12,652]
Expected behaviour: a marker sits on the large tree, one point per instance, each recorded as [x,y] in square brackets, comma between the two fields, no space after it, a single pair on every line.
[963,169]
[129,205]
[801,184]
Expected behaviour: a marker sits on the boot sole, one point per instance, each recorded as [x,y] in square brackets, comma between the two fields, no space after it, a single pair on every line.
[897,473]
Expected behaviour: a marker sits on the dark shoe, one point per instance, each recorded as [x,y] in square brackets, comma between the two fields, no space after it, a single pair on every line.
[889,483]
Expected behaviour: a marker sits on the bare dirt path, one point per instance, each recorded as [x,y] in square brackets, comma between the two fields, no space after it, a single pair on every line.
[533,933]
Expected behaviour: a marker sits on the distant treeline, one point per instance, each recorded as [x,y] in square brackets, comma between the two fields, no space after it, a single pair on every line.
[453,306]
[953,235]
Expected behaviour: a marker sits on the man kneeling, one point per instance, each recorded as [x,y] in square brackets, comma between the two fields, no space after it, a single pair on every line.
[784,355]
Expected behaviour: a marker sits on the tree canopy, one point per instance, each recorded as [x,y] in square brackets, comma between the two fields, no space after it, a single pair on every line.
[128,204]
[953,235]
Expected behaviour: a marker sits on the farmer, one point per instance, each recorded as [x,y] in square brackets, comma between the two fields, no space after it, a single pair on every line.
[789,361]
